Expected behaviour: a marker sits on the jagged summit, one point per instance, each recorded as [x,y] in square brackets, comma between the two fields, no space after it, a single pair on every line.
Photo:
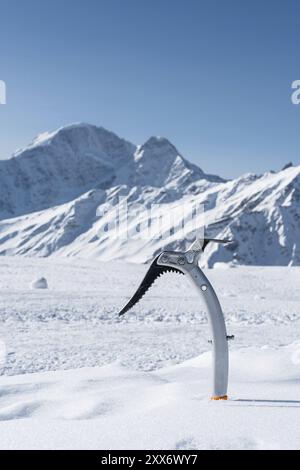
[288,165]
[161,144]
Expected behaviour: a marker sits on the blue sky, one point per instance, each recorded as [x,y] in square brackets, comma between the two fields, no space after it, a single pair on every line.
[212,76]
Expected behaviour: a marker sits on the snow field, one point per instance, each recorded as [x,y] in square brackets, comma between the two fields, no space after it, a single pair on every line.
[74,375]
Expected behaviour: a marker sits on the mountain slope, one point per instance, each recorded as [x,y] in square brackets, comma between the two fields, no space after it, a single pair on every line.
[263,219]
[260,214]
[158,163]
[60,166]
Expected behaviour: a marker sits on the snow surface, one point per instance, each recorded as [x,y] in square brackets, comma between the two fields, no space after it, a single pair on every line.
[77,376]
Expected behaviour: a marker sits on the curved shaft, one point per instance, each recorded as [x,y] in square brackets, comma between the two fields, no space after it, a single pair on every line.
[216,319]
[188,264]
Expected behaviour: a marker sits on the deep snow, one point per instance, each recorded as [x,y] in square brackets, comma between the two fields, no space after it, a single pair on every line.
[144,381]
[112,407]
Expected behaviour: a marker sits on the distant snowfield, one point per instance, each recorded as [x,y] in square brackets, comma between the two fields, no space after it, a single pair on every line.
[77,376]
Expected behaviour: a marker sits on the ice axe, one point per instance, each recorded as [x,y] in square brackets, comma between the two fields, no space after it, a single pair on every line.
[187,263]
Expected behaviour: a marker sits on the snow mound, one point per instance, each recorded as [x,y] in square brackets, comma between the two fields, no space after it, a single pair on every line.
[40,283]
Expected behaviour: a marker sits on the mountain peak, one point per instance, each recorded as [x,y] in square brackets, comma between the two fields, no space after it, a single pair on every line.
[61,165]
[288,165]
[80,133]
[159,142]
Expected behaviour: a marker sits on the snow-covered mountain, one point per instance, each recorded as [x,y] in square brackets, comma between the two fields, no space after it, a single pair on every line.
[60,166]
[58,197]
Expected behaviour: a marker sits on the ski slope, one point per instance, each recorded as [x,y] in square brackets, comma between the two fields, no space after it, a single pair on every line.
[74,375]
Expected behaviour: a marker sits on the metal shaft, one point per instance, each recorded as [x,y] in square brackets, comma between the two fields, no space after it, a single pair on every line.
[188,263]
[218,327]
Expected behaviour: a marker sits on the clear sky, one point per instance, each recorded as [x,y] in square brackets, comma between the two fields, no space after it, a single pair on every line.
[212,76]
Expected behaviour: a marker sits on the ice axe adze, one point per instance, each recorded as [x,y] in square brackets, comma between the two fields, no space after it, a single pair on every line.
[187,263]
